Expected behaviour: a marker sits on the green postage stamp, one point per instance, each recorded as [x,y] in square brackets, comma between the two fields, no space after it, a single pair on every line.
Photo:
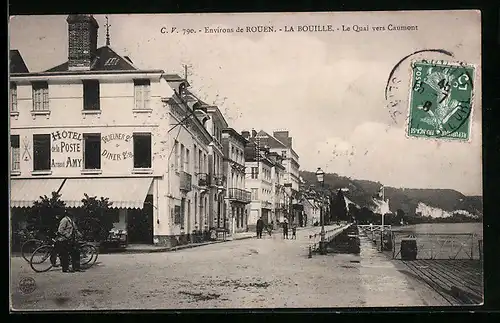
[441,100]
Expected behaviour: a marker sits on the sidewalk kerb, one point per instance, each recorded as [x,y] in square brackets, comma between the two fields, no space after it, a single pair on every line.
[181,247]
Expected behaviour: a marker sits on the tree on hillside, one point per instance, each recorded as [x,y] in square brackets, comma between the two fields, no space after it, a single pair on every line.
[331,216]
[43,217]
[400,216]
[354,212]
[340,207]
[365,216]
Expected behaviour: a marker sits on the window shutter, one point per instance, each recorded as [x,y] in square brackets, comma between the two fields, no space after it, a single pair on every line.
[137,96]
[35,99]
[146,96]
[45,98]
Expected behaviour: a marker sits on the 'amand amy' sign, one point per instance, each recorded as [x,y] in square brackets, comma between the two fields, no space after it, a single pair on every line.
[66,148]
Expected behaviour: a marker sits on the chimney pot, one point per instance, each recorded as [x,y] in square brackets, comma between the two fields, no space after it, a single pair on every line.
[245,134]
[82,41]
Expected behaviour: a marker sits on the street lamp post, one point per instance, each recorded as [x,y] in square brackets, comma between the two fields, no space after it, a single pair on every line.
[320,175]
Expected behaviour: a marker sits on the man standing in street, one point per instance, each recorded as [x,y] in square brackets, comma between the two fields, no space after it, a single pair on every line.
[260,228]
[67,243]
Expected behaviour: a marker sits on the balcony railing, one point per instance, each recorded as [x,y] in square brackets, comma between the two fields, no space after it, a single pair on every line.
[218,180]
[186,181]
[203,180]
[240,195]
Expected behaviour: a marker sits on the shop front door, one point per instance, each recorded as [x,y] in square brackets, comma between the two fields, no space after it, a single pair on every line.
[140,223]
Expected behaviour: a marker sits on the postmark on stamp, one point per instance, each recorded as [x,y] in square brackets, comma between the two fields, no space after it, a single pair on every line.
[27,285]
[441,100]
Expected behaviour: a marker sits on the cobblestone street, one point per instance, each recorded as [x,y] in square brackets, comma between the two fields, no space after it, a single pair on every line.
[251,273]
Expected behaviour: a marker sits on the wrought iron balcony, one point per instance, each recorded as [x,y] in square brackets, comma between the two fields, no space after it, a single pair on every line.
[218,180]
[240,195]
[186,181]
[203,180]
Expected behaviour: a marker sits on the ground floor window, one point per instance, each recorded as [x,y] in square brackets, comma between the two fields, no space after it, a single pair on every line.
[239,215]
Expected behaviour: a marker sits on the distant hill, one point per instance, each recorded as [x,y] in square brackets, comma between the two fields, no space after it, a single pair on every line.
[361,192]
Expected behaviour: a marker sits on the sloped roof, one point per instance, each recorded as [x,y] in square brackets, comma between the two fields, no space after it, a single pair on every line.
[17,64]
[270,140]
[173,77]
[107,60]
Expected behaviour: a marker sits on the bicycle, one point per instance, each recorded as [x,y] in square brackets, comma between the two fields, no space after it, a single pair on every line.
[30,245]
[88,256]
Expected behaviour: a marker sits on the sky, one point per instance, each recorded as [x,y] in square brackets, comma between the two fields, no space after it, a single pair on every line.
[327,89]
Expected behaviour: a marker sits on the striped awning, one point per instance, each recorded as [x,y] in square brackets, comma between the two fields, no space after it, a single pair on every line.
[24,192]
[124,193]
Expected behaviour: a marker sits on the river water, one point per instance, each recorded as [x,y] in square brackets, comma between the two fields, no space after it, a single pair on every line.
[442,240]
[444,228]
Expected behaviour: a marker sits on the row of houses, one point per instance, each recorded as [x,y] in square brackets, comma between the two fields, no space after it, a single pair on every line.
[169,162]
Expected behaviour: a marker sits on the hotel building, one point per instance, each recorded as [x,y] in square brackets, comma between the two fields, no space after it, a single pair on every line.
[99,125]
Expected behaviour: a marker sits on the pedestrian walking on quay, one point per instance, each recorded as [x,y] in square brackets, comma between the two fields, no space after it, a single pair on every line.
[67,243]
[270,228]
[294,231]
[260,228]
[285,229]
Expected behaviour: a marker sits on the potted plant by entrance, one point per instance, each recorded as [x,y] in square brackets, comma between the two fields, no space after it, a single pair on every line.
[96,223]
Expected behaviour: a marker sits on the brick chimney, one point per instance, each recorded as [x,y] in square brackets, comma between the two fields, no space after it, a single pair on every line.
[245,134]
[284,137]
[82,41]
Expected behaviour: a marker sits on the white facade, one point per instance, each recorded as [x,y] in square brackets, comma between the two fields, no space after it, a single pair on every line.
[187,189]
[98,125]
[237,197]
[312,211]
[280,199]
[260,184]
[292,166]
[179,204]
[217,217]
[52,139]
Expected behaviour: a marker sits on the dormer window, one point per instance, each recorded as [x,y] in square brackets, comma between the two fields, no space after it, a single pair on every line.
[91,96]
[111,61]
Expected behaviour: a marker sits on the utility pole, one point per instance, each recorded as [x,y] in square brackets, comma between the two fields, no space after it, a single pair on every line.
[320,175]
[322,218]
